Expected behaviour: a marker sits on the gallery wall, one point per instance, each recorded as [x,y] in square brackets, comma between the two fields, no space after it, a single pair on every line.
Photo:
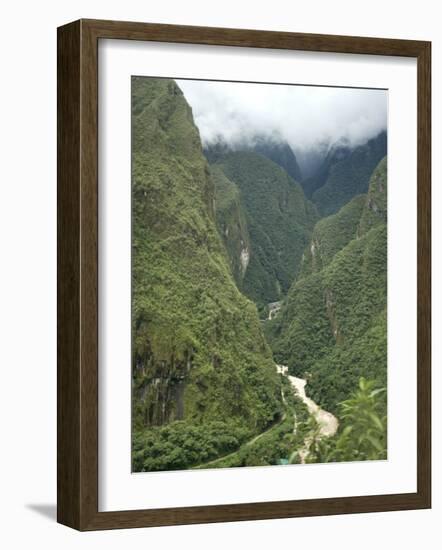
[28,273]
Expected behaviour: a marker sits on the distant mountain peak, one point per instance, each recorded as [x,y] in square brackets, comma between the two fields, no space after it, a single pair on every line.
[271,146]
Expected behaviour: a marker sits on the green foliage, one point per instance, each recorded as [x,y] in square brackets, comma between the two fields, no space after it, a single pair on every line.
[332,326]
[279,444]
[266,450]
[199,354]
[362,433]
[231,222]
[331,234]
[205,388]
[279,221]
[333,307]
[281,154]
[275,150]
[301,333]
[336,153]
[375,210]
[350,176]
[335,374]
[181,445]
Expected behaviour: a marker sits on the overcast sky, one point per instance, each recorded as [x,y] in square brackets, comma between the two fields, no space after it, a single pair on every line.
[302,115]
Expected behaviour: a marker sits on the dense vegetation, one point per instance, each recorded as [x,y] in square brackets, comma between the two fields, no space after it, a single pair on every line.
[279,221]
[232,223]
[332,327]
[363,431]
[274,149]
[212,245]
[199,355]
[375,211]
[346,173]
[336,153]
[331,234]
[279,444]
[280,153]
[181,445]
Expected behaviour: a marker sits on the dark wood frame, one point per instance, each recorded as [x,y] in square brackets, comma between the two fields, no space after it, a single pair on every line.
[77,225]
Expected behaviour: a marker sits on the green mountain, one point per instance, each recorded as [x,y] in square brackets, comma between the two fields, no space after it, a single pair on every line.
[375,211]
[280,153]
[338,152]
[279,223]
[274,149]
[331,234]
[232,223]
[332,327]
[203,374]
[346,173]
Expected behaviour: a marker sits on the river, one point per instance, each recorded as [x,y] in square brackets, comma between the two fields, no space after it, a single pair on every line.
[327,422]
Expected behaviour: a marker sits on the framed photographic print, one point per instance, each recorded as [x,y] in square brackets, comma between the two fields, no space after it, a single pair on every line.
[243,274]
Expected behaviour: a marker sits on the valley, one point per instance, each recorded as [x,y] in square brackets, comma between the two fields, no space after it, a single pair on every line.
[259,304]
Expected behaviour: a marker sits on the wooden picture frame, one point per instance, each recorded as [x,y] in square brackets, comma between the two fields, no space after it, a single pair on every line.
[78,274]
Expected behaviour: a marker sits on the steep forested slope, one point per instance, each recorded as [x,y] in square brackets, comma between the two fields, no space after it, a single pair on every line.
[375,210]
[350,176]
[337,152]
[232,223]
[333,324]
[279,221]
[277,150]
[281,153]
[331,234]
[199,356]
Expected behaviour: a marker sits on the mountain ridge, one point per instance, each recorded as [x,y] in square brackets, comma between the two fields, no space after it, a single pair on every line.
[279,220]
[212,367]
[348,172]
[335,313]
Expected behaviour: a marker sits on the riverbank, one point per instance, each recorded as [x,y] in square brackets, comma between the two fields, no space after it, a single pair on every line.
[290,438]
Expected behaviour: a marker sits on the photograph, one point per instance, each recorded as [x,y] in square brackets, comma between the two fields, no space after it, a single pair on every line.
[259,274]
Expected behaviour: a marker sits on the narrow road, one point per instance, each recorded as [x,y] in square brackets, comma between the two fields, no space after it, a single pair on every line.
[246,444]
[274,308]
[327,423]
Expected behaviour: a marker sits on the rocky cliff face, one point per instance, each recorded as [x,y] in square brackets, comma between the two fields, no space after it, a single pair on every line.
[275,221]
[232,223]
[198,350]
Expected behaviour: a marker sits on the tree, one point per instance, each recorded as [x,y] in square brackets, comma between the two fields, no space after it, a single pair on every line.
[363,428]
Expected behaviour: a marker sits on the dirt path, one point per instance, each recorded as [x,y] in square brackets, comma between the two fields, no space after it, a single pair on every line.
[327,423]
[246,444]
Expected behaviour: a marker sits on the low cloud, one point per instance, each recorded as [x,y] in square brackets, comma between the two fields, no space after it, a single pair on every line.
[304,116]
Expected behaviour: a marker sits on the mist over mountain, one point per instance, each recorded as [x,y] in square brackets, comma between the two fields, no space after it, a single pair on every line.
[345,173]
[306,117]
[310,160]
[259,251]
[271,147]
